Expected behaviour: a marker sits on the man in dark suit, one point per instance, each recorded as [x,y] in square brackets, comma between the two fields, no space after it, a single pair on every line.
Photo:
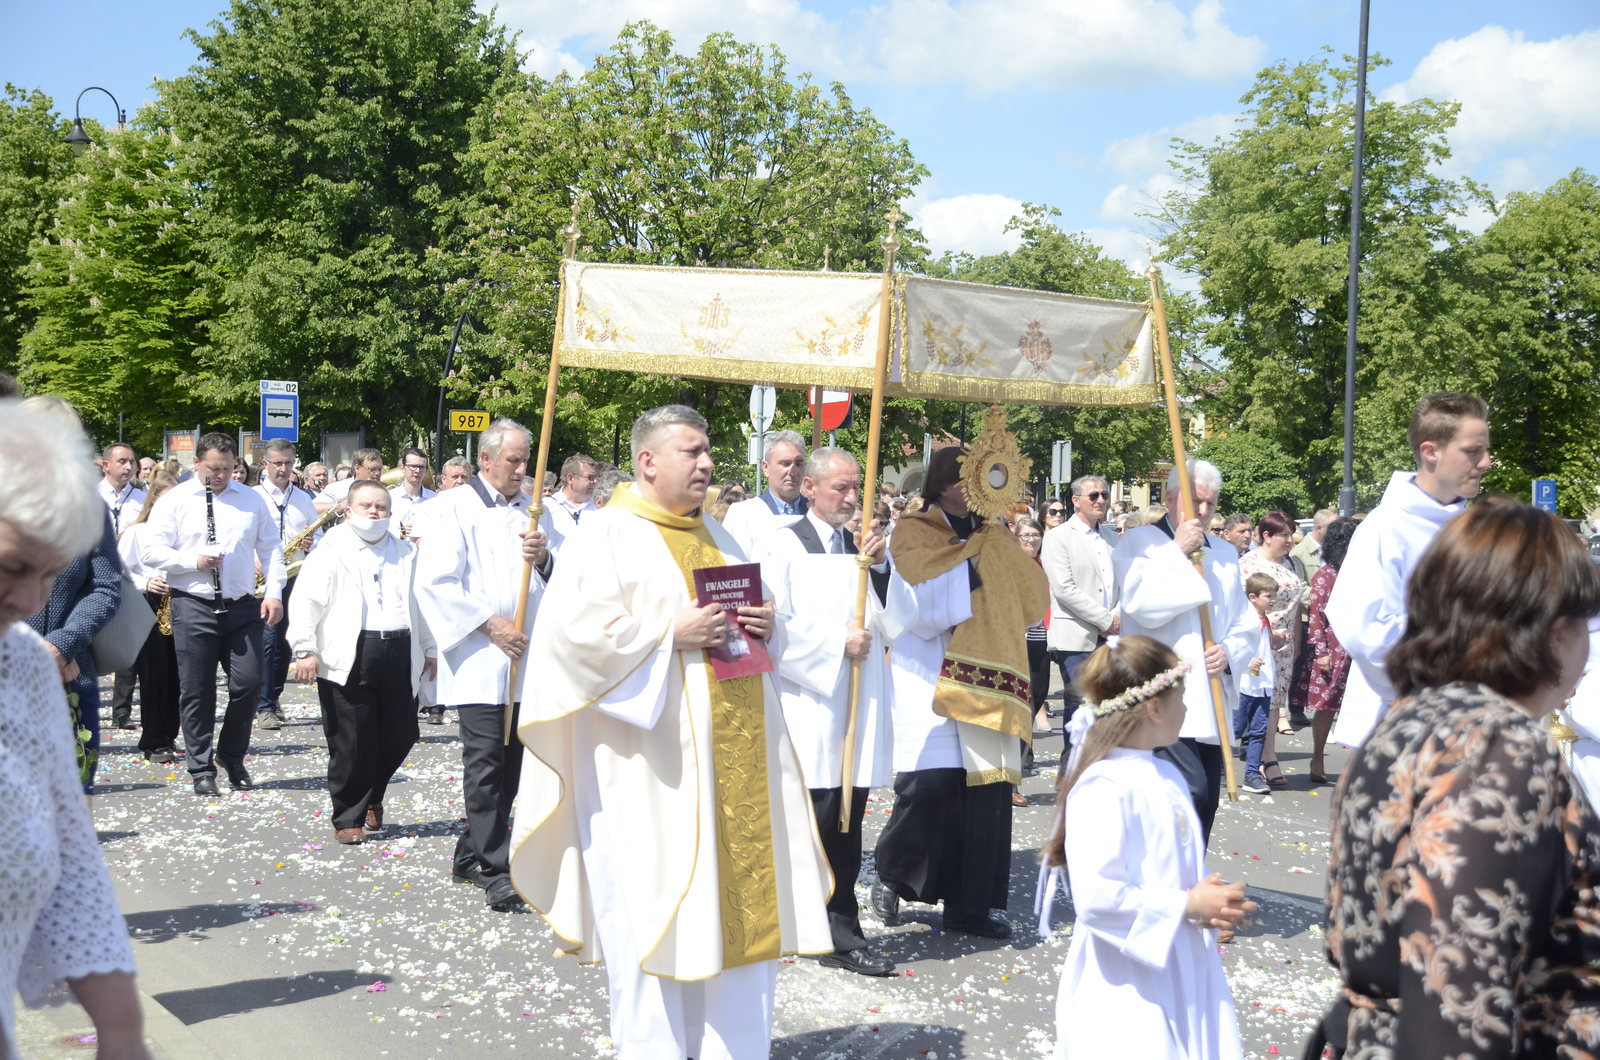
[811,568]
[783,461]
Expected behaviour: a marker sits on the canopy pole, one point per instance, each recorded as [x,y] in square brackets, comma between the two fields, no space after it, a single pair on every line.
[1180,459]
[536,509]
[869,485]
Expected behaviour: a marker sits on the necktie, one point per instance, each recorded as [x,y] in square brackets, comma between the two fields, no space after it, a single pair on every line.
[837,548]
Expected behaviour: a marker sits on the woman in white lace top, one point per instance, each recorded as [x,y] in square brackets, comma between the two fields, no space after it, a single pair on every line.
[60,928]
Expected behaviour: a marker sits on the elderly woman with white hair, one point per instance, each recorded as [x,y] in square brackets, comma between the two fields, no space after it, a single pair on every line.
[60,925]
[1163,591]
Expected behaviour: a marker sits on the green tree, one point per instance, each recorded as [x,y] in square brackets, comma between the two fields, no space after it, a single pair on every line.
[327,136]
[33,164]
[1264,221]
[1257,476]
[719,157]
[119,310]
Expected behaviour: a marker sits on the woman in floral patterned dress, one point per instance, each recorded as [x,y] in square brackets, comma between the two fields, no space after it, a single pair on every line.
[1329,667]
[1462,914]
[1274,539]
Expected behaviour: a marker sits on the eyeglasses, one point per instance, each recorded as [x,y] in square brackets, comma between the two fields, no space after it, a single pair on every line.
[415,467]
[1055,511]
[1096,496]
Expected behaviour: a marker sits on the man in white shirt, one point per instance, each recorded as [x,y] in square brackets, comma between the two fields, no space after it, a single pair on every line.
[574,499]
[411,494]
[1449,435]
[784,463]
[468,584]
[1076,556]
[209,533]
[293,511]
[457,472]
[123,500]
[1162,594]
[316,477]
[368,465]
[810,565]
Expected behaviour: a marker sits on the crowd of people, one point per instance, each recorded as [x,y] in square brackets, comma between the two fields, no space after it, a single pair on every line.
[704,734]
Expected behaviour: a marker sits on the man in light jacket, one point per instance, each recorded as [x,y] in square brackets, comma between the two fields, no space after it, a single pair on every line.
[356,631]
[1084,601]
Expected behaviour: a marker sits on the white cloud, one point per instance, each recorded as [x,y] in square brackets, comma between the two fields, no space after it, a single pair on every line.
[974,223]
[1147,154]
[1132,202]
[1512,90]
[990,45]
[996,45]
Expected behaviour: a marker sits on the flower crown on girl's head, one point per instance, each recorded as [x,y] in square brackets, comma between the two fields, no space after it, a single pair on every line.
[1139,693]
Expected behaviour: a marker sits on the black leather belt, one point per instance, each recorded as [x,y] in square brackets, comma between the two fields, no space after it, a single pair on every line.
[230,601]
[385,634]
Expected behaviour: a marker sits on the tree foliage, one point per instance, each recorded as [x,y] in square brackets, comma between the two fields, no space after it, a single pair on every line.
[327,136]
[120,310]
[1257,476]
[33,164]
[718,157]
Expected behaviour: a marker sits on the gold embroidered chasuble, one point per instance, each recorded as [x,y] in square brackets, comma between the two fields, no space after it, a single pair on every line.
[745,860]
[984,679]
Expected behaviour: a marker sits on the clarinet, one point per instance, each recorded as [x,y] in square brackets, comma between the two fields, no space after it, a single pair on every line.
[211,539]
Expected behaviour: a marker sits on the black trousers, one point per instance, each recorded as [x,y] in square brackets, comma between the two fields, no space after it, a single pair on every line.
[122,682]
[275,656]
[947,842]
[157,670]
[1201,766]
[490,771]
[370,726]
[843,850]
[203,640]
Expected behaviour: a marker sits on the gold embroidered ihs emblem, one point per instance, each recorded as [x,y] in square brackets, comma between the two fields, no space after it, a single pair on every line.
[1035,346]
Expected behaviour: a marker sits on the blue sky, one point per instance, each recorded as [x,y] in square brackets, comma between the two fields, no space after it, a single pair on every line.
[1067,102]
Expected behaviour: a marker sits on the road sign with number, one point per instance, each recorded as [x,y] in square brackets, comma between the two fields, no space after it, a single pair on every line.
[280,409]
[470,421]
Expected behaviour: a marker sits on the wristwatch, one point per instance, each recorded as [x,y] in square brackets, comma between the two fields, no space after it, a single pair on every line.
[304,654]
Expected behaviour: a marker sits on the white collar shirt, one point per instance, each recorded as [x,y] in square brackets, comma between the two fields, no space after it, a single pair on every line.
[383,590]
[246,534]
[123,504]
[403,506]
[1102,554]
[292,510]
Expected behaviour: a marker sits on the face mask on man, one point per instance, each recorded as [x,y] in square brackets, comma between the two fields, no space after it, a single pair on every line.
[370,530]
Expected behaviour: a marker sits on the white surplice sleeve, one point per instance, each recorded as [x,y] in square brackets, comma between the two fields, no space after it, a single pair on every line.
[452,612]
[813,646]
[78,930]
[1159,584]
[943,602]
[1140,918]
[1367,609]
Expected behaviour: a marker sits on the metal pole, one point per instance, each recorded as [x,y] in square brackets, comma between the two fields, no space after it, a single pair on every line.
[438,416]
[1347,492]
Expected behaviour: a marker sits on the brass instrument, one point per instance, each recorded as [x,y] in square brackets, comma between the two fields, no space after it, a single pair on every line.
[297,542]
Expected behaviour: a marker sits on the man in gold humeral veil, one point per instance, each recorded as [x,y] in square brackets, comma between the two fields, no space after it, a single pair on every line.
[663,825]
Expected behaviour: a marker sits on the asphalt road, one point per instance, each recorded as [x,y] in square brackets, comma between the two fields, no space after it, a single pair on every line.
[258,936]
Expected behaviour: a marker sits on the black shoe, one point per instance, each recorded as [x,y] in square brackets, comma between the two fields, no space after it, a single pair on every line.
[862,962]
[471,875]
[205,785]
[435,716]
[124,721]
[162,756]
[886,904]
[239,777]
[984,926]
[269,719]
[501,896]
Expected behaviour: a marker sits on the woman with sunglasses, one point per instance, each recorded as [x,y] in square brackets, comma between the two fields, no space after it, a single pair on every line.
[1055,513]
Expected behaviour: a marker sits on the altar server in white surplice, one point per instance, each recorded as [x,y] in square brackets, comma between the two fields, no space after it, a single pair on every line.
[812,569]
[1583,711]
[1449,435]
[783,461]
[663,822]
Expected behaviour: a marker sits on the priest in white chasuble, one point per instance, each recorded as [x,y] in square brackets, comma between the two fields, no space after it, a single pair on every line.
[663,822]
[961,704]
[811,565]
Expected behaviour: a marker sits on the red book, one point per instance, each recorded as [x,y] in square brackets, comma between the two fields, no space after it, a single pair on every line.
[734,586]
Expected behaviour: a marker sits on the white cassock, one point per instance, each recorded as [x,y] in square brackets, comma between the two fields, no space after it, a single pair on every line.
[750,521]
[1161,597]
[1583,711]
[1367,608]
[924,739]
[1139,979]
[563,522]
[616,838]
[816,600]
[469,568]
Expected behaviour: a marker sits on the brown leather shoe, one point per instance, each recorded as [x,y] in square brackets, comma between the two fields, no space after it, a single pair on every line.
[374,821]
[349,836]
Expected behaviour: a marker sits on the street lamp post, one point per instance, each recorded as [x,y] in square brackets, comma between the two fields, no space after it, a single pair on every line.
[1347,492]
[449,362]
[78,139]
